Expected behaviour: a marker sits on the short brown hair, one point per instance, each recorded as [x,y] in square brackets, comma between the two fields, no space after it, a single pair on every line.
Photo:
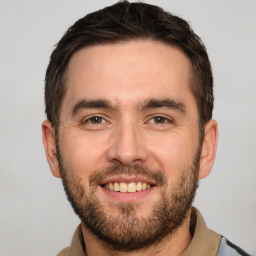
[126,21]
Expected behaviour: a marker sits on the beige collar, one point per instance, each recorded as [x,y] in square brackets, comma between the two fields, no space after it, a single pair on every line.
[204,241]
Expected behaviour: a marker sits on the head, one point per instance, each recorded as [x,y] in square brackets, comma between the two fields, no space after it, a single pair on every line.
[129,104]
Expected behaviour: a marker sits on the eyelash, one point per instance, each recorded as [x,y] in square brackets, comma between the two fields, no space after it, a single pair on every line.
[89,120]
[165,119]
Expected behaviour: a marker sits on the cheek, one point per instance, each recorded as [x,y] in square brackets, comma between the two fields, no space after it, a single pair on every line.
[173,152]
[81,152]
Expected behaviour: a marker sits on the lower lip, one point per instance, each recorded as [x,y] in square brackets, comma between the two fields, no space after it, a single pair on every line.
[127,197]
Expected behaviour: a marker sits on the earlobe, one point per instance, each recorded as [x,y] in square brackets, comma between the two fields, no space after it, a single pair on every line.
[50,147]
[209,148]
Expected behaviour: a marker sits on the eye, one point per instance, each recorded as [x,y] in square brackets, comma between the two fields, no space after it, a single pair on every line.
[159,120]
[95,123]
[96,120]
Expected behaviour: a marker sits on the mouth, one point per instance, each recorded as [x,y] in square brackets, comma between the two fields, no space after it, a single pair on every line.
[127,187]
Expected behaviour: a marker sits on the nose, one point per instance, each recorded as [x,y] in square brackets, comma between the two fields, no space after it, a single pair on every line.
[127,146]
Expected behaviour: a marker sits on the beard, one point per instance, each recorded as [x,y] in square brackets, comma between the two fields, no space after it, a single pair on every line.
[127,232]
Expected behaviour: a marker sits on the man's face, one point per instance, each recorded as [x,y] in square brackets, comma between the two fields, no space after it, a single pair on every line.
[128,145]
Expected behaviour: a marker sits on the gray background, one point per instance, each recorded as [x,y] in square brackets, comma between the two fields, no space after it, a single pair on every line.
[36,218]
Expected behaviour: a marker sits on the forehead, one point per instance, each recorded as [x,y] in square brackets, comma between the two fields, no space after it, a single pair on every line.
[129,71]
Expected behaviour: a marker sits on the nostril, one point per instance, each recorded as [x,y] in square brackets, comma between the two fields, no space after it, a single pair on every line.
[127,147]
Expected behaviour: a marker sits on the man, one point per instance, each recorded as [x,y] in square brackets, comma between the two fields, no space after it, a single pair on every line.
[129,99]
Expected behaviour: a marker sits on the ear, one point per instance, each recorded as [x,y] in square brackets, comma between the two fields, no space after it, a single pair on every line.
[209,148]
[50,147]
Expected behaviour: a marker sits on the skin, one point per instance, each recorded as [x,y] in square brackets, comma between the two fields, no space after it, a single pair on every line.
[127,75]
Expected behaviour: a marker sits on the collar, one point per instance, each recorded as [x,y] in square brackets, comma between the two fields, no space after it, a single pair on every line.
[204,241]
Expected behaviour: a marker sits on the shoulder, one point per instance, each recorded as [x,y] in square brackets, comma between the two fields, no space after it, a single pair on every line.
[64,252]
[76,247]
[227,248]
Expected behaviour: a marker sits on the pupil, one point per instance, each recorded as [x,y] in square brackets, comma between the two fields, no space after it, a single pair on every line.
[159,119]
[96,119]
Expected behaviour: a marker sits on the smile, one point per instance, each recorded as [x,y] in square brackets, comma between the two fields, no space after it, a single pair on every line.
[124,187]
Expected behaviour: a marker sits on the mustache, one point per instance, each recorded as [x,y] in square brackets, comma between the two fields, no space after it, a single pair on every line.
[157,176]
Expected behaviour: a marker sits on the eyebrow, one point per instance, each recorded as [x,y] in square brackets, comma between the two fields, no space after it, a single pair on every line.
[90,104]
[148,104]
[168,103]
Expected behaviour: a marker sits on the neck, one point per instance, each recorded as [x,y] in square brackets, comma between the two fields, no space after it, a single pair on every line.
[173,244]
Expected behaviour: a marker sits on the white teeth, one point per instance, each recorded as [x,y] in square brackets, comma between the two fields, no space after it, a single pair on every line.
[116,186]
[139,186]
[111,186]
[124,187]
[132,187]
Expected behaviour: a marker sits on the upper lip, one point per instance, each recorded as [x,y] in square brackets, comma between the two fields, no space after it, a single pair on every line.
[127,179]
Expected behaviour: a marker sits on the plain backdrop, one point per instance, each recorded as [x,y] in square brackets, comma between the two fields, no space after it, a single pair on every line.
[35,217]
